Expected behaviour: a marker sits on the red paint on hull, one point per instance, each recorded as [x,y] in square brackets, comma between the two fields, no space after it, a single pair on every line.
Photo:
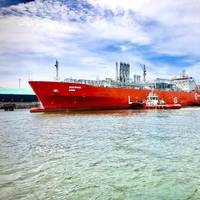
[36,110]
[64,96]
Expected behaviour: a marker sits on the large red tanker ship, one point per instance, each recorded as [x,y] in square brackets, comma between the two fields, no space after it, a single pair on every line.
[82,94]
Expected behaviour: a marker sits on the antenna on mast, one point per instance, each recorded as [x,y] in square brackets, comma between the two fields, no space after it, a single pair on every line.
[183,73]
[56,65]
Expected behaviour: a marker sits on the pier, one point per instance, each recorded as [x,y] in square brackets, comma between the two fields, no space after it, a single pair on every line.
[11,99]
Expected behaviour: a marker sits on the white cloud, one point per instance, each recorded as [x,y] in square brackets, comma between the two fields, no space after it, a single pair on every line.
[32,33]
[178,23]
[119,28]
[194,71]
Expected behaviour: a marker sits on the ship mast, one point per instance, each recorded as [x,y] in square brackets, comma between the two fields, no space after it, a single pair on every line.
[56,65]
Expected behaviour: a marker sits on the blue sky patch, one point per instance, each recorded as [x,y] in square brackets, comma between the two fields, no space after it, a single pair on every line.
[88,37]
[5,3]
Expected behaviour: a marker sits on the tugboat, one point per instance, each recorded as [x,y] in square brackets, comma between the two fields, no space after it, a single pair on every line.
[153,102]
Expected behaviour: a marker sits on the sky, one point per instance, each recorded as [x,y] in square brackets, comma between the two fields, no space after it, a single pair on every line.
[88,37]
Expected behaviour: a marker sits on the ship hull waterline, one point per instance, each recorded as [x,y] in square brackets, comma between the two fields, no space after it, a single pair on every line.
[65,96]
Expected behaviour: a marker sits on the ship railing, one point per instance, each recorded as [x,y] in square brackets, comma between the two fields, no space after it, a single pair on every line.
[88,82]
[106,83]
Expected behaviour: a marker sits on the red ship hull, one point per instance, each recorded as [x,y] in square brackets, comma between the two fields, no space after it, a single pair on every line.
[64,96]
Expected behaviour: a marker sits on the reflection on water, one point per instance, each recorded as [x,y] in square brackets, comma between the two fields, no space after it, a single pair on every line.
[99,112]
[115,154]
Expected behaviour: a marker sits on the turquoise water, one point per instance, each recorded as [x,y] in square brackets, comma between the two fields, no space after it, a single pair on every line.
[105,155]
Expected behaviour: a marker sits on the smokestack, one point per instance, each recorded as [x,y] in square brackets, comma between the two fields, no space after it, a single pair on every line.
[135,78]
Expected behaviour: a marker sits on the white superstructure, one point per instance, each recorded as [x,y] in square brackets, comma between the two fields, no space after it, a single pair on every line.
[184,83]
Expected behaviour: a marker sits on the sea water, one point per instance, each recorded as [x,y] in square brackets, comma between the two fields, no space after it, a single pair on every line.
[103,155]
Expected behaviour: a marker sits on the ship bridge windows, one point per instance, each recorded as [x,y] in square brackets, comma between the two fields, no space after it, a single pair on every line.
[164,84]
[153,98]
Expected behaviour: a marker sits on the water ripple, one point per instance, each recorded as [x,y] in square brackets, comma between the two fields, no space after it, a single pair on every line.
[122,154]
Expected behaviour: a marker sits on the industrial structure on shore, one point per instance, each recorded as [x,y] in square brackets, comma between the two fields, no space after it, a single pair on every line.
[17,98]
